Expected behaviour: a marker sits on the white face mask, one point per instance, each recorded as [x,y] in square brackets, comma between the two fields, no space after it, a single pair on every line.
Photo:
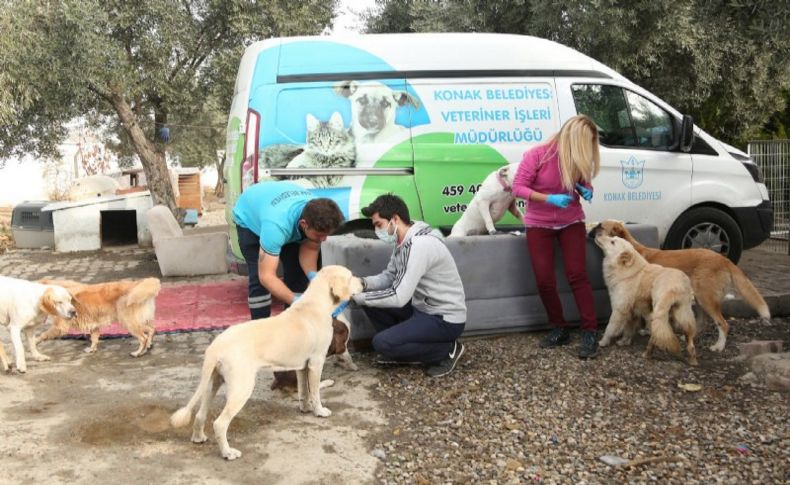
[384,234]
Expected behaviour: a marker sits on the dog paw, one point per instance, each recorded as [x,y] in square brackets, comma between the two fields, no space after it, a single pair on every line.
[603,343]
[231,454]
[323,412]
[326,383]
[717,347]
[41,358]
[305,408]
[644,332]
[90,350]
[201,438]
[137,353]
[349,366]
[623,342]
[21,370]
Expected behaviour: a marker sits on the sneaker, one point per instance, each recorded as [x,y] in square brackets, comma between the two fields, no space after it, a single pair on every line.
[447,365]
[557,337]
[589,346]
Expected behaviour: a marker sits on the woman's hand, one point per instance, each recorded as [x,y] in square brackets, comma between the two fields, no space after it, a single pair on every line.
[559,200]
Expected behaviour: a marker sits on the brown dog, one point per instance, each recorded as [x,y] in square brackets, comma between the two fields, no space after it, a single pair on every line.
[710,273]
[130,302]
[286,381]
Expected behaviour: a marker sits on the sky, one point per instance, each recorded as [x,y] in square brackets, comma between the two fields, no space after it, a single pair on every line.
[347,22]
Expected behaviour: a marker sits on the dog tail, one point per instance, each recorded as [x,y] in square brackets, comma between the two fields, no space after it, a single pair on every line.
[144,290]
[748,291]
[183,416]
[661,333]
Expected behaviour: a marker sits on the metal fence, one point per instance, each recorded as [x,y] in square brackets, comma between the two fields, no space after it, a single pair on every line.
[773,158]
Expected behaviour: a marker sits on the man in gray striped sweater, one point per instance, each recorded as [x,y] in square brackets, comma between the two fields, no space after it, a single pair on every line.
[417,304]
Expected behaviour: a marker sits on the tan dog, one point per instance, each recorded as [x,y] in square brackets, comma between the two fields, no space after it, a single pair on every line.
[131,303]
[710,272]
[24,305]
[341,331]
[296,339]
[638,289]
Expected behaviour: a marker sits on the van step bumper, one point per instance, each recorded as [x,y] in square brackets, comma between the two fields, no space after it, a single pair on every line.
[755,222]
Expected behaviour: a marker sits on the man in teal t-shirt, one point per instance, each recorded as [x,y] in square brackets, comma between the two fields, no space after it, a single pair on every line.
[281,221]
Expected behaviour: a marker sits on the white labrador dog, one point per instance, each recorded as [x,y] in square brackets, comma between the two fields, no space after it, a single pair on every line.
[373,107]
[489,204]
[23,306]
[296,339]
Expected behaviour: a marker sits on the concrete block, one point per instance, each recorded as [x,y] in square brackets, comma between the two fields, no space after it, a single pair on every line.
[758,347]
[774,370]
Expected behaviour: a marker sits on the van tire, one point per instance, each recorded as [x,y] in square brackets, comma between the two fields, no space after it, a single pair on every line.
[706,227]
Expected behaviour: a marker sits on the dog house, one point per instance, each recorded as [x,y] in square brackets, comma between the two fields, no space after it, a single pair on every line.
[98,223]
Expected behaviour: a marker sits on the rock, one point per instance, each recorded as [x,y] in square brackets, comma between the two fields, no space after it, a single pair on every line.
[759,347]
[379,453]
[773,370]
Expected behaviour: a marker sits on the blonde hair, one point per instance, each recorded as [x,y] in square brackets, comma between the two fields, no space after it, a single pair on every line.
[577,148]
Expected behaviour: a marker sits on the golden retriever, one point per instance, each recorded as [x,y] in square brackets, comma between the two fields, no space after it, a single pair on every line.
[341,331]
[638,289]
[23,306]
[296,339]
[129,302]
[710,272]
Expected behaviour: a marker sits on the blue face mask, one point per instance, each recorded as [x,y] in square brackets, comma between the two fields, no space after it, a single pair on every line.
[384,234]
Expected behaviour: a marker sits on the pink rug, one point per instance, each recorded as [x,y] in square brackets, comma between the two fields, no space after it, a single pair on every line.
[189,307]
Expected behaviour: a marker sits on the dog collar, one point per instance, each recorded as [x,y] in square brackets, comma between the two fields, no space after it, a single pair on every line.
[503,182]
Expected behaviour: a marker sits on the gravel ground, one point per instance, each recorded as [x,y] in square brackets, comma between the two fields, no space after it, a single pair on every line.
[515,413]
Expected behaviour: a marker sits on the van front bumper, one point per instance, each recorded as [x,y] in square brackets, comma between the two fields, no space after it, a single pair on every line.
[755,222]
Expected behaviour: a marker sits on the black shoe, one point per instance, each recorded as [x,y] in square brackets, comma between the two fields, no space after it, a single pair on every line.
[557,337]
[589,346]
[447,365]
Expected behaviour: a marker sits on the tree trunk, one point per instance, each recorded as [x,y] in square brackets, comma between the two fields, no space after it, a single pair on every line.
[219,190]
[152,157]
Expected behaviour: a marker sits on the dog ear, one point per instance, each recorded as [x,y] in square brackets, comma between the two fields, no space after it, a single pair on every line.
[626,259]
[46,304]
[345,88]
[403,98]
[339,337]
[338,287]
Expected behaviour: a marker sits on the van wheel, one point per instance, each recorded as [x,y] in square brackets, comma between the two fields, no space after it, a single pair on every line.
[706,227]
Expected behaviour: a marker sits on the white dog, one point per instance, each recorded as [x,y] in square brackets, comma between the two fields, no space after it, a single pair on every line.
[373,107]
[296,339]
[23,306]
[489,204]
[640,290]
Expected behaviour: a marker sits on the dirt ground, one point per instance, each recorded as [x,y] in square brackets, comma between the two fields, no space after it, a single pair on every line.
[103,418]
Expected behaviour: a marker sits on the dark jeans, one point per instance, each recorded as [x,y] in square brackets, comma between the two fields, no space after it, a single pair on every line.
[259,300]
[409,335]
[573,244]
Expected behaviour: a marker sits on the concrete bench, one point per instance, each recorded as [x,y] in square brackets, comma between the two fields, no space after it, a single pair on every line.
[496,271]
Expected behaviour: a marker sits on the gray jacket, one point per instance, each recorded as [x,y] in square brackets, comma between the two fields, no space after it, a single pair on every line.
[422,270]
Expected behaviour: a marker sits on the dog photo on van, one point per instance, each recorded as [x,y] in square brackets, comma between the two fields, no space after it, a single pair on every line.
[373,109]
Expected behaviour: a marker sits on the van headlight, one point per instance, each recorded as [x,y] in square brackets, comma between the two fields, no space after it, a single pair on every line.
[753,168]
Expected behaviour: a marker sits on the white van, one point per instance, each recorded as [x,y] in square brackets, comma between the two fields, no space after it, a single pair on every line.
[428,116]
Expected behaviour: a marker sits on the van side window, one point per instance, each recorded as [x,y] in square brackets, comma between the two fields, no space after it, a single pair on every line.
[652,124]
[624,118]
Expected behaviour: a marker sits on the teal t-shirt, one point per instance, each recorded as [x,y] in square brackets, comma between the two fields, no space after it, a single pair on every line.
[272,211]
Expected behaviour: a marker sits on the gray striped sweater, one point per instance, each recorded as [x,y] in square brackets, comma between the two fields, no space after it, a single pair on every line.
[422,270]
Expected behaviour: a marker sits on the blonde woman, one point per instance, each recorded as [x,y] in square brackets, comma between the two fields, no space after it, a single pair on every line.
[552,177]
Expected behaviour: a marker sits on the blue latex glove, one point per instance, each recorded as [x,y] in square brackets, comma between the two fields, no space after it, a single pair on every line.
[584,192]
[311,275]
[559,200]
[339,309]
[296,297]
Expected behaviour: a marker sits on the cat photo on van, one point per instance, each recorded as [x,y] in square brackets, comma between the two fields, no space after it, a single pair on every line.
[373,107]
[328,144]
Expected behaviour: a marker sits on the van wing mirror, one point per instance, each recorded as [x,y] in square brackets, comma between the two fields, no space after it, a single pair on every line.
[686,133]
